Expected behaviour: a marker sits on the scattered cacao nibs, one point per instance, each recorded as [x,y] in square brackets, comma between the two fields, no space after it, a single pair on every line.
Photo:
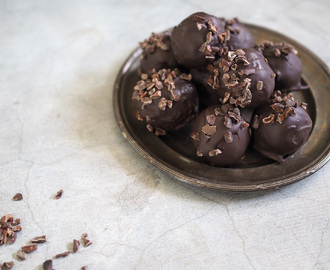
[195,136]
[161,41]
[18,197]
[228,136]
[48,265]
[8,229]
[76,245]
[21,255]
[39,239]
[59,194]
[273,75]
[29,248]
[62,255]
[139,117]
[84,267]
[87,242]
[186,77]
[215,152]
[7,265]
[260,85]
[245,125]
[209,130]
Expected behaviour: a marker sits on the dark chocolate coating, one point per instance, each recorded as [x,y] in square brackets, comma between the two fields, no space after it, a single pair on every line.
[182,112]
[262,73]
[240,39]
[187,39]
[275,140]
[159,58]
[231,152]
[286,66]
[207,95]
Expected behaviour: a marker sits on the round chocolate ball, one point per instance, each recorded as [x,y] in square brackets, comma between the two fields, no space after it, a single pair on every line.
[196,41]
[284,61]
[243,78]
[157,53]
[240,36]
[221,135]
[281,127]
[166,100]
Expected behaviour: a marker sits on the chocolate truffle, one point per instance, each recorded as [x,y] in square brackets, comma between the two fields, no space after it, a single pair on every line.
[198,39]
[283,60]
[221,135]
[207,95]
[240,36]
[281,127]
[166,100]
[157,53]
[243,78]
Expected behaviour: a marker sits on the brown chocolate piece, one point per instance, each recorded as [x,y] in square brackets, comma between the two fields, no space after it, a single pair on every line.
[48,265]
[18,197]
[63,254]
[59,194]
[76,245]
[39,239]
[7,265]
[226,142]
[165,100]
[281,127]
[29,248]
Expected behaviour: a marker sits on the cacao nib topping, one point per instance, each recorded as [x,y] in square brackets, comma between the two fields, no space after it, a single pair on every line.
[210,119]
[150,128]
[283,105]
[198,153]
[209,130]
[237,83]
[85,240]
[227,123]
[160,132]
[260,85]
[303,105]
[76,245]
[215,152]
[195,136]
[161,41]
[228,136]
[7,265]
[151,87]
[281,48]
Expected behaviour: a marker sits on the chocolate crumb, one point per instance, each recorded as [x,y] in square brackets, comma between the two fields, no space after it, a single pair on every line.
[84,267]
[198,153]
[228,122]
[84,235]
[62,255]
[87,242]
[7,265]
[18,197]
[76,245]
[21,255]
[304,105]
[59,194]
[29,248]
[39,239]
[48,265]
[160,132]
[150,128]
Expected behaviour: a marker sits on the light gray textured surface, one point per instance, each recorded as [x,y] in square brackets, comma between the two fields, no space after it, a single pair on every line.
[58,63]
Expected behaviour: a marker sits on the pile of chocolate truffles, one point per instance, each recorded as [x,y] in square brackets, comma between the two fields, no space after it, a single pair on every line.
[209,70]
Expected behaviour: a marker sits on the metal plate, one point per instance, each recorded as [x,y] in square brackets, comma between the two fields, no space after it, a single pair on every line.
[175,155]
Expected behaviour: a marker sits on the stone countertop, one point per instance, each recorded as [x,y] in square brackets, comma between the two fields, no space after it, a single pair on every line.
[58,63]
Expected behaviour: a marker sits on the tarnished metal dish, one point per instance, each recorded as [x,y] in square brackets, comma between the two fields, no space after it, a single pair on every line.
[175,155]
